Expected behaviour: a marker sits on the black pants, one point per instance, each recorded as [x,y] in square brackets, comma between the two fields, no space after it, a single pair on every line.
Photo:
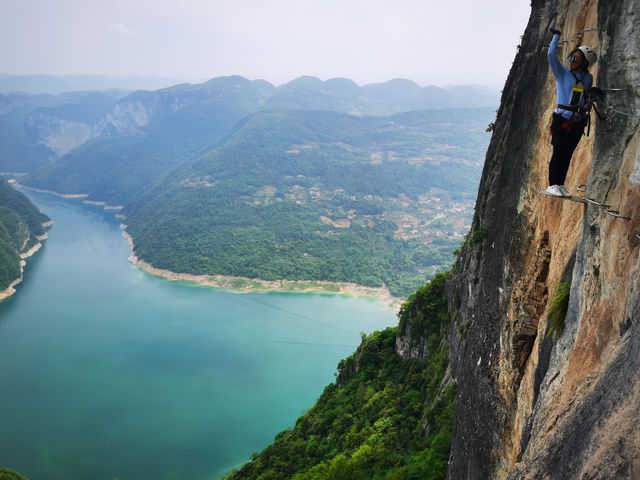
[564,138]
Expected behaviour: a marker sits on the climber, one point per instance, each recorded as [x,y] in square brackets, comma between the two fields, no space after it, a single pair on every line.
[570,114]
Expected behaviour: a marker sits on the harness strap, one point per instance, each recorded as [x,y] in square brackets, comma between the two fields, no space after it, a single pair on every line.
[570,108]
[578,80]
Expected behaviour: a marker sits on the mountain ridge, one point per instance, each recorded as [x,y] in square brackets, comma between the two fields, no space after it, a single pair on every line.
[39,127]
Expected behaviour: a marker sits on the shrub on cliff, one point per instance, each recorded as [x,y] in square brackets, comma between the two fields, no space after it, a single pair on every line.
[425,312]
[558,309]
[6,474]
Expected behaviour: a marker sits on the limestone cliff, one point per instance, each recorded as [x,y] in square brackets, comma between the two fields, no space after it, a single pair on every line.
[530,405]
[57,134]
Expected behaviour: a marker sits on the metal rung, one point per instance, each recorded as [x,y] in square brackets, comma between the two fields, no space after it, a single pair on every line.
[581,188]
[592,201]
[616,213]
[610,112]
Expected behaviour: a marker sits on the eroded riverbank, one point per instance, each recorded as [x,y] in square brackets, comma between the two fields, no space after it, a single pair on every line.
[246,285]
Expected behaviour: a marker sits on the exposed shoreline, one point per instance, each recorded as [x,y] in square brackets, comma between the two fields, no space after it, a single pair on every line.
[15,183]
[247,285]
[70,196]
[10,290]
[234,284]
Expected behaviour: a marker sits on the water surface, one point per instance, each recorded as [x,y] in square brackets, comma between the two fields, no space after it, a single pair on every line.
[107,372]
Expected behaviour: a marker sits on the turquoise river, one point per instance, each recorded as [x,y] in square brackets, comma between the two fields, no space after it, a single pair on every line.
[108,372]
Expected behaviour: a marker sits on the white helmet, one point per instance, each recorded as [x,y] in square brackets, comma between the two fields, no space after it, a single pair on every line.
[589,55]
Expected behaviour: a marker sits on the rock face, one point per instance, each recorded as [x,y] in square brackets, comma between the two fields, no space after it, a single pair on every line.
[57,134]
[530,405]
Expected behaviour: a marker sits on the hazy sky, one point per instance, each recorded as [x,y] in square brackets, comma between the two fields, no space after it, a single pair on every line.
[433,42]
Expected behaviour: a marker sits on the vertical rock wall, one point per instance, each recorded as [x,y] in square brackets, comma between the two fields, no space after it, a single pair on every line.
[529,406]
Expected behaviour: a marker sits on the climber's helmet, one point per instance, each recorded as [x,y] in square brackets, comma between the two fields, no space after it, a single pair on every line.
[589,54]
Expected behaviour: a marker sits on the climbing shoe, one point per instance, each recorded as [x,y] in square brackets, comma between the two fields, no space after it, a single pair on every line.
[554,190]
[565,192]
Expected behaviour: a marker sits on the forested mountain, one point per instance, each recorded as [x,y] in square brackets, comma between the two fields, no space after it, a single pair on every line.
[151,132]
[319,195]
[395,96]
[28,125]
[311,180]
[36,129]
[21,223]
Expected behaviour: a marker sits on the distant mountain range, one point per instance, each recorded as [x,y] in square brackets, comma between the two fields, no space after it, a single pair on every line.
[36,130]
[56,84]
[311,180]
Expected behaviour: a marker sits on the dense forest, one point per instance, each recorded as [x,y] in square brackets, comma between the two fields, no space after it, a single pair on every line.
[383,418]
[319,196]
[20,224]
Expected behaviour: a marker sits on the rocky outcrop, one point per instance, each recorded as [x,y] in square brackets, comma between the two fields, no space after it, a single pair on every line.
[408,347]
[57,134]
[529,405]
[127,116]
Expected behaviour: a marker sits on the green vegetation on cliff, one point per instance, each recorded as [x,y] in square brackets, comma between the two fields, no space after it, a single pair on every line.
[6,474]
[20,223]
[383,418]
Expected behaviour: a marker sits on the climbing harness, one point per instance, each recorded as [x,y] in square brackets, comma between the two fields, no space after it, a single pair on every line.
[577,96]
[577,91]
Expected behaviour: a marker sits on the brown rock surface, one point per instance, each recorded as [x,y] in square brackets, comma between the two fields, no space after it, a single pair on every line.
[529,405]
